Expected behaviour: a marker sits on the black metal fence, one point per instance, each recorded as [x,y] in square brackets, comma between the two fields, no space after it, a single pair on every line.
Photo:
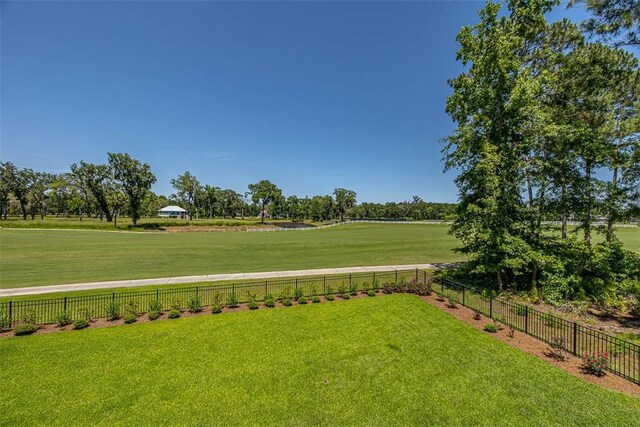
[46,310]
[578,340]
[624,356]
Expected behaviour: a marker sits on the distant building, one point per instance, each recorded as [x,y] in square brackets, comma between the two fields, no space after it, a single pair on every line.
[173,212]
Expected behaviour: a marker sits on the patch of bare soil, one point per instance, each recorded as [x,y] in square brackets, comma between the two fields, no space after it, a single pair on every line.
[539,349]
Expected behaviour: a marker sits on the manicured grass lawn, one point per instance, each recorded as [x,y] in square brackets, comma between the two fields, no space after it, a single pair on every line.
[391,360]
[41,257]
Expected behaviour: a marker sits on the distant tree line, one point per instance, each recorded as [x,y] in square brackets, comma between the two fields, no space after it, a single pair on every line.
[122,187]
[548,126]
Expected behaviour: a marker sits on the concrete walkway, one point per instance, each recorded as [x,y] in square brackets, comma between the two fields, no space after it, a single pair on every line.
[36,290]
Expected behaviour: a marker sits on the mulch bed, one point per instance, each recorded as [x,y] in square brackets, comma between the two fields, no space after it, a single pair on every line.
[526,343]
[539,349]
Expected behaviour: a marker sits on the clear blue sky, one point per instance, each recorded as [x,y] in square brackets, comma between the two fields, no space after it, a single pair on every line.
[311,96]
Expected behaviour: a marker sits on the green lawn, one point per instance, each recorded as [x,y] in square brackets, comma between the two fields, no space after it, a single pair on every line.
[391,360]
[41,257]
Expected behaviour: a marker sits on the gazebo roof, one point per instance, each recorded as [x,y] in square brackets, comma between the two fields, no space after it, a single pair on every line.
[172,209]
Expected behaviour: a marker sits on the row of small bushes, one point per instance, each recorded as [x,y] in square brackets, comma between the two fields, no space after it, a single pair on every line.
[130,311]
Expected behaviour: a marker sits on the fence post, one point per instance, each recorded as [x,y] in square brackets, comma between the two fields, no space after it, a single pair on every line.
[396,276]
[296,283]
[266,290]
[424,277]
[65,303]
[463,297]
[490,306]
[197,289]
[526,319]
[11,312]
[233,288]
[157,294]
[575,338]
[113,296]
[349,279]
[373,284]
[416,274]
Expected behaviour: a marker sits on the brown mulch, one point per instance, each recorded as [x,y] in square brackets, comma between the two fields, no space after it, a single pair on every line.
[571,364]
[539,349]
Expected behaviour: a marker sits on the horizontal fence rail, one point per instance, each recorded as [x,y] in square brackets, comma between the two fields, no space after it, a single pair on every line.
[577,339]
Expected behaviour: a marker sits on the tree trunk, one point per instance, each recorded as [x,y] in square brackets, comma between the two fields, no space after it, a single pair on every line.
[500,284]
[564,208]
[587,207]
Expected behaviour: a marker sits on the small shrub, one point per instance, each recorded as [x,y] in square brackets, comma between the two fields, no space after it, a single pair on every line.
[174,314]
[302,300]
[596,363]
[440,296]
[286,293]
[286,302]
[388,287]
[152,314]
[63,319]
[371,293]
[113,311]
[252,304]
[477,315]
[24,329]
[315,299]
[80,323]
[216,299]
[453,303]
[345,296]
[298,293]
[155,305]
[270,302]
[491,327]
[130,318]
[232,301]
[194,305]
[353,289]
[216,308]
[176,305]
[330,294]
[131,307]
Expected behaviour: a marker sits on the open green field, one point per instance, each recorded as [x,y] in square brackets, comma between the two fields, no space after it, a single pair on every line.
[46,257]
[41,257]
[391,360]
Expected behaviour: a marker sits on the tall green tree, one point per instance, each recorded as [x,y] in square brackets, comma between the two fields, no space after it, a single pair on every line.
[187,188]
[96,179]
[263,193]
[491,104]
[344,200]
[134,178]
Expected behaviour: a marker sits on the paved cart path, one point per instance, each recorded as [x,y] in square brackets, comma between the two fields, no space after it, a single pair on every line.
[36,290]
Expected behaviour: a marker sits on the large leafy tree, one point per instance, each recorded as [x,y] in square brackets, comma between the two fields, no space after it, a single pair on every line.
[492,104]
[344,200]
[96,179]
[263,193]
[135,180]
[187,189]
